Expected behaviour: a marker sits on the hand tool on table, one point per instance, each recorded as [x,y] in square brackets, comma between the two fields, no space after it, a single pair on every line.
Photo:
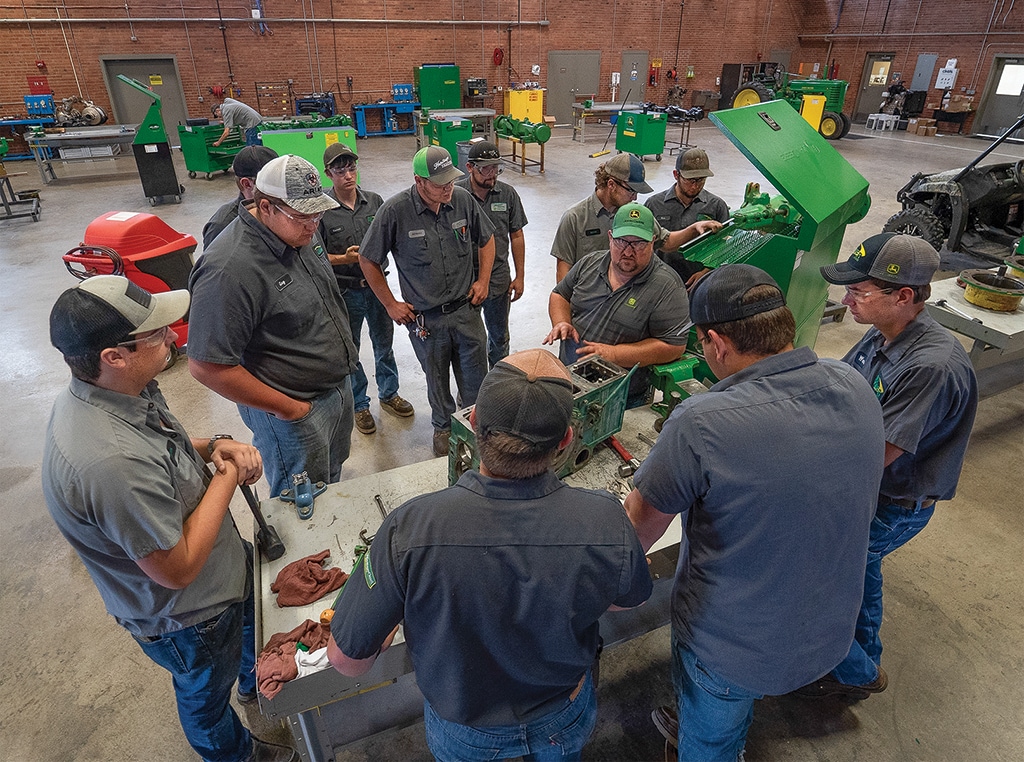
[604,148]
[267,539]
[947,306]
[630,464]
[646,439]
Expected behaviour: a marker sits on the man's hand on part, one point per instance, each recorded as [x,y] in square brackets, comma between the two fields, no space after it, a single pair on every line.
[560,332]
[588,348]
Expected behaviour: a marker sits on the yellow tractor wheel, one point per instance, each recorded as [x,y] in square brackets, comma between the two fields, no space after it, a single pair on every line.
[750,93]
[831,127]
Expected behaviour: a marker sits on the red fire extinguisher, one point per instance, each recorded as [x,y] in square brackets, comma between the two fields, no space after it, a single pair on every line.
[652,78]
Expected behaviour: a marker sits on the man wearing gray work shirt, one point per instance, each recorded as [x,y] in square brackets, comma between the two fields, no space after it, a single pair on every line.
[247,164]
[270,331]
[686,202]
[504,208]
[584,227]
[237,114]
[625,304]
[928,393]
[432,230]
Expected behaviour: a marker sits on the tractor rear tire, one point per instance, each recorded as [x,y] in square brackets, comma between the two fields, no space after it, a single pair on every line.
[750,93]
[917,222]
[847,123]
[831,127]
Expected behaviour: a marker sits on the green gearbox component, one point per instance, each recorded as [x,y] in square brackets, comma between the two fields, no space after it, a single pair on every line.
[760,211]
[678,380]
[523,129]
[4,148]
[313,121]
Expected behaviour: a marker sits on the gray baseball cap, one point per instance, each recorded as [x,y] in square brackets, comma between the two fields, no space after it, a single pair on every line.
[905,260]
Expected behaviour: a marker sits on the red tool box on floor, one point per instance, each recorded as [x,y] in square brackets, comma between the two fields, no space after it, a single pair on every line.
[141,247]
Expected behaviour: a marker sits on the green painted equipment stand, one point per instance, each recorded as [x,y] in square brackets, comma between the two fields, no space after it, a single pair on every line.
[153,151]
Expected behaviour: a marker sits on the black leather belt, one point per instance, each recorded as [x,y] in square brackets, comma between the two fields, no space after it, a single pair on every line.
[346,282]
[905,502]
[452,306]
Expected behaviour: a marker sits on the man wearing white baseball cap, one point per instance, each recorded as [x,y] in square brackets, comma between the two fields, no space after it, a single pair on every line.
[127,488]
[269,329]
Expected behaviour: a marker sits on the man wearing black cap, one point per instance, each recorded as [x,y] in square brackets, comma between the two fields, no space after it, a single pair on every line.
[768,592]
[584,226]
[128,489]
[443,247]
[269,330]
[687,202]
[500,581]
[342,229]
[247,164]
[928,393]
[504,208]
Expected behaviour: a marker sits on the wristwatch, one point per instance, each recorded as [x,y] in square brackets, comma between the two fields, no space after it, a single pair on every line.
[214,438]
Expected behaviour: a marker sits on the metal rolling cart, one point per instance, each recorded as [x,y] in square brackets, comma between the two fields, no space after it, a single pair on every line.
[79,144]
[588,109]
[153,151]
[641,133]
[201,155]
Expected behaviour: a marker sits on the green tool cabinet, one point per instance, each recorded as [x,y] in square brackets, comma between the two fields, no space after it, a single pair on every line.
[641,134]
[201,155]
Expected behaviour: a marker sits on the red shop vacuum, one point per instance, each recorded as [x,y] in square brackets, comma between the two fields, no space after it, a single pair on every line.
[141,247]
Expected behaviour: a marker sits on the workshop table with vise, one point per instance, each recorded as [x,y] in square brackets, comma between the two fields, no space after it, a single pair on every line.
[94,142]
[581,112]
[326,710]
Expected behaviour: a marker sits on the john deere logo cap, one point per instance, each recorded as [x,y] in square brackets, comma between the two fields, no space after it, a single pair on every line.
[903,260]
[633,219]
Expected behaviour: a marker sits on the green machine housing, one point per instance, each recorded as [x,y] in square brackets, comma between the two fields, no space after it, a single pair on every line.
[309,138]
[641,134]
[448,133]
[438,86]
[790,235]
[153,151]
[201,155]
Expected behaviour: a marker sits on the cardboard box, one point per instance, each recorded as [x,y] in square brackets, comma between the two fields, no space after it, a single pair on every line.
[912,125]
[958,106]
[928,131]
[921,122]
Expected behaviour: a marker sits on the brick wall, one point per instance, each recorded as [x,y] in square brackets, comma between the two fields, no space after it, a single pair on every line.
[376,55]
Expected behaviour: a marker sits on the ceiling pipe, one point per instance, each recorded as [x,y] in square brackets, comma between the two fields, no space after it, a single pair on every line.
[247,21]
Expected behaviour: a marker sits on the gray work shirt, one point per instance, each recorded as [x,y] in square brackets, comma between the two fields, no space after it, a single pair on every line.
[653,304]
[237,114]
[344,227]
[670,213]
[434,253]
[220,220]
[271,308]
[929,396]
[774,473]
[584,228]
[504,209]
[120,485]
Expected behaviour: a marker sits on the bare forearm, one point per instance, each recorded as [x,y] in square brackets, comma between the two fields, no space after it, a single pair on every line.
[644,353]
[559,309]
[517,243]
[239,385]
[486,261]
[650,523]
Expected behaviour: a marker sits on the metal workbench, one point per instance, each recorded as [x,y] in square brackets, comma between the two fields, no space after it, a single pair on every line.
[482,119]
[998,350]
[46,147]
[326,710]
[580,114]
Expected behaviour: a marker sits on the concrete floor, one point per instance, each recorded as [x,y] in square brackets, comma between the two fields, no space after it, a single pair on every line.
[79,688]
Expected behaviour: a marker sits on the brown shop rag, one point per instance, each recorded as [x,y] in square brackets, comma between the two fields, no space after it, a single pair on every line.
[306,580]
[276,663]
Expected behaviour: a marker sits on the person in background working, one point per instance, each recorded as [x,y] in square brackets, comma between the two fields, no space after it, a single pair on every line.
[443,245]
[237,114]
[342,229]
[584,226]
[685,203]
[928,394]
[768,591]
[269,330]
[247,164]
[129,490]
[623,304]
[511,672]
[504,208]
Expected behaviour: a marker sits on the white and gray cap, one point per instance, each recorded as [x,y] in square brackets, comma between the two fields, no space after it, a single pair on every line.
[296,182]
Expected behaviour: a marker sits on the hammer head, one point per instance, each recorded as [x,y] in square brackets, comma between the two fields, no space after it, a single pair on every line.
[269,542]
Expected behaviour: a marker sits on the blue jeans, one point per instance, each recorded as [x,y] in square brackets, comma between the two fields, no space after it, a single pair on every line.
[714,714]
[363,305]
[495,312]
[252,136]
[318,443]
[892,527]
[560,735]
[204,661]
[456,344]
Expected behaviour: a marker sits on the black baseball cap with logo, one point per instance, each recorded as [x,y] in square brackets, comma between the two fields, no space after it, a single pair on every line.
[905,260]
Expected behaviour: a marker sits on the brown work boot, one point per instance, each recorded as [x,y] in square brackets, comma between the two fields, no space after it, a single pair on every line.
[264,751]
[441,437]
[829,686]
[398,406]
[667,723]
[365,422]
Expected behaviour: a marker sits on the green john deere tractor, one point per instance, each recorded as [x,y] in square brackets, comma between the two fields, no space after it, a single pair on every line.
[778,86]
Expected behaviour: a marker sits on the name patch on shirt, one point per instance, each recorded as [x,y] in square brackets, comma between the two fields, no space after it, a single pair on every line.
[421,233]
[860,359]
[499,206]
[283,282]
[592,231]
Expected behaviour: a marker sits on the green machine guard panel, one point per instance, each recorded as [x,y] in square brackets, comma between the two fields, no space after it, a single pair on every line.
[822,186]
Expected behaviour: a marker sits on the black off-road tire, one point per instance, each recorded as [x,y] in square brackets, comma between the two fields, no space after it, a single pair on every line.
[917,222]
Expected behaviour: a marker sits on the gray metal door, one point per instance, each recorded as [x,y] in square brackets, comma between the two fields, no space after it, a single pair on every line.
[571,73]
[633,79]
[161,76]
[923,72]
[1003,99]
[873,83]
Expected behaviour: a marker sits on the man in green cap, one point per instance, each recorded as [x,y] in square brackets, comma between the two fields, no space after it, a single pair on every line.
[623,304]
[436,233]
